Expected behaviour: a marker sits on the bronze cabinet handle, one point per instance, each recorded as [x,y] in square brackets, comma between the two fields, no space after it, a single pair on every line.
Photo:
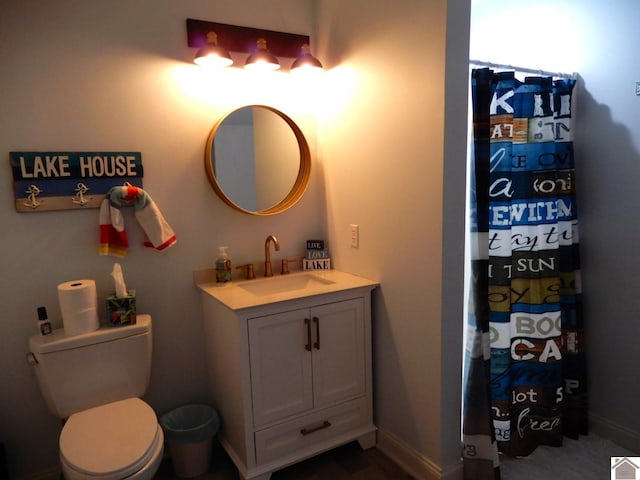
[307,346]
[307,431]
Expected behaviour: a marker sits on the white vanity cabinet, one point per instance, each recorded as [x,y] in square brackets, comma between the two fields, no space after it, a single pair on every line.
[290,378]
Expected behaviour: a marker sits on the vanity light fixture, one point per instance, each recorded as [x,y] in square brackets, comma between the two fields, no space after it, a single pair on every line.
[214,41]
[212,54]
[261,58]
[306,62]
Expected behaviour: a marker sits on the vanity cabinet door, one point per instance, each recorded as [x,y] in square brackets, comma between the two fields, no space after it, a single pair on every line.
[306,359]
[281,379]
[338,351]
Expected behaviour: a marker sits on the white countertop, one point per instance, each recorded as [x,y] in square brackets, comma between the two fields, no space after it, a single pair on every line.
[257,292]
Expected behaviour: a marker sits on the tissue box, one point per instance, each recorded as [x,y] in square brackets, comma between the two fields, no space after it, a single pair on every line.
[121,310]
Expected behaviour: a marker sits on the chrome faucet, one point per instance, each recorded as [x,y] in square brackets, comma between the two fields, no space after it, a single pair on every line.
[267,254]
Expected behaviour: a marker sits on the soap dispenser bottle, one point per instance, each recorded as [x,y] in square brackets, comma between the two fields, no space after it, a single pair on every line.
[223,266]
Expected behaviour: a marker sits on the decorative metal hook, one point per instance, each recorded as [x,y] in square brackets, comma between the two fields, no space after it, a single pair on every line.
[79,199]
[33,192]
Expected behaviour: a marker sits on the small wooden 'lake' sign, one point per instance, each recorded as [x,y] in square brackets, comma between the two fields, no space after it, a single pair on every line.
[45,181]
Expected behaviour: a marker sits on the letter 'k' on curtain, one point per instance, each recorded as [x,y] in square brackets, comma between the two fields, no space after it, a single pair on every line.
[524,380]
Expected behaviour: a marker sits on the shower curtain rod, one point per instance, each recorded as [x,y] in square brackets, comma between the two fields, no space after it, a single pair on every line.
[523,69]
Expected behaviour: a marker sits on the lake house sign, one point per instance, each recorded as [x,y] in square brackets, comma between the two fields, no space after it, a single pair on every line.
[45,181]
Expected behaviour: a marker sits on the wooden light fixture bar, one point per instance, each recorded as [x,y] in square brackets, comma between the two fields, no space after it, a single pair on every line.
[243,39]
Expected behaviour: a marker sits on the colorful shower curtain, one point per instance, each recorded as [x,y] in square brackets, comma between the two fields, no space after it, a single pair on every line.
[524,381]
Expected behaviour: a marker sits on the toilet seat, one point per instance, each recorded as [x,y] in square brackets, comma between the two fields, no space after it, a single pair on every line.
[111,441]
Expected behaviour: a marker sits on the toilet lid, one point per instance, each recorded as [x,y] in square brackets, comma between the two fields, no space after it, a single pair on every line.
[114,439]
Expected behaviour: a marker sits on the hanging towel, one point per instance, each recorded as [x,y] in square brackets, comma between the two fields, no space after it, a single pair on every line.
[113,237]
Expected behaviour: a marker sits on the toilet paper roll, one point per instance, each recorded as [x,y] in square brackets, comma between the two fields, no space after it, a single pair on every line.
[79,306]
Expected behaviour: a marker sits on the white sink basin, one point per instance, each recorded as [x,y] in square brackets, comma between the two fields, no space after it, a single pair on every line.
[285,283]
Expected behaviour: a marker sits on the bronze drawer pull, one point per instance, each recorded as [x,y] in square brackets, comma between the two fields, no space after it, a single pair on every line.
[307,431]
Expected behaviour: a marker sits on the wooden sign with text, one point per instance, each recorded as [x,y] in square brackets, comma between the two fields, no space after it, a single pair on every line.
[45,181]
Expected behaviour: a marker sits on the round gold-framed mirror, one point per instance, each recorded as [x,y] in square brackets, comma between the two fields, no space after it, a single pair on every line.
[257,160]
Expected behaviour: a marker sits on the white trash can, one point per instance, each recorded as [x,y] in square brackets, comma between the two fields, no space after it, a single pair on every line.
[189,432]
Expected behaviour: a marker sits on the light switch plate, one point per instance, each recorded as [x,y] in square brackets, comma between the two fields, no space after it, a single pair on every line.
[355,235]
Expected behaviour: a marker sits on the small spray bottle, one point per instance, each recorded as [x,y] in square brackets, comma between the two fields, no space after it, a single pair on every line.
[223,266]
[44,325]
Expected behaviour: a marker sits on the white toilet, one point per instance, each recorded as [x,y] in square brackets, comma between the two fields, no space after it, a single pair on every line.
[93,380]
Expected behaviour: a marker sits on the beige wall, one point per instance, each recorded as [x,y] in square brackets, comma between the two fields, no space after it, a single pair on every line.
[117,75]
[384,153]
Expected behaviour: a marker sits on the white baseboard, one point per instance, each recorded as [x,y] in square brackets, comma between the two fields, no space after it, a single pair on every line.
[414,462]
[618,434]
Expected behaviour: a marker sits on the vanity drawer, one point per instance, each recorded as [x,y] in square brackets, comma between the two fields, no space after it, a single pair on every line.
[301,433]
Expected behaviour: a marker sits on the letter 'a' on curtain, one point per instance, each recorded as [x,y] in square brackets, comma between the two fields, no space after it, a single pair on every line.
[524,378]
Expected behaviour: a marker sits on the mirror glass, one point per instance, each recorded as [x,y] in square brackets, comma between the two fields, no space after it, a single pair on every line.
[257,160]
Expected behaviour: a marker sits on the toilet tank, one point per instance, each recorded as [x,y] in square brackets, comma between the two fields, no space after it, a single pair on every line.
[83,371]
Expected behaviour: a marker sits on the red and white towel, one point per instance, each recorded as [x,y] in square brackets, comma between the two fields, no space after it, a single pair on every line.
[113,237]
